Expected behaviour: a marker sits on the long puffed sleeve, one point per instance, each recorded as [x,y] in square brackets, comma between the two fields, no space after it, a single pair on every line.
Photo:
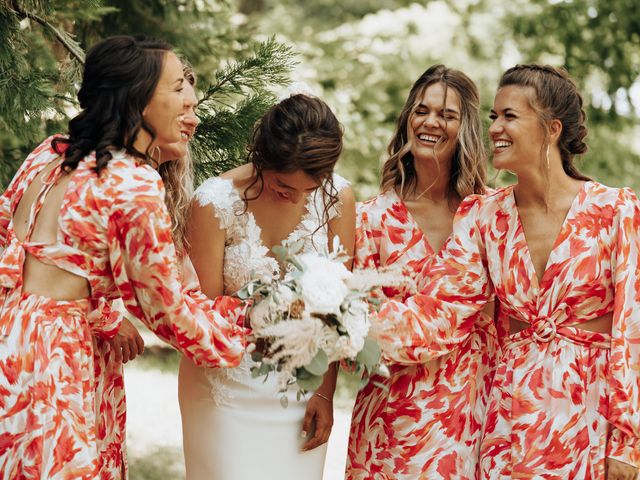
[144,264]
[456,286]
[366,254]
[624,370]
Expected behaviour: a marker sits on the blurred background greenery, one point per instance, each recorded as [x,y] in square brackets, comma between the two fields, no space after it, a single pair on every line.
[361,56]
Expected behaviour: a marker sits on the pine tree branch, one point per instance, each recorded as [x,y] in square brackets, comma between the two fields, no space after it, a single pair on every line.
[270,64]
[72,47]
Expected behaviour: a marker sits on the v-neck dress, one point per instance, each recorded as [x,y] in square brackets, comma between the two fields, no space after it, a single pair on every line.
[425,420]
[234,426]
[563,398]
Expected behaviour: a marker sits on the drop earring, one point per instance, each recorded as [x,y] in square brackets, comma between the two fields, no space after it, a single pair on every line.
[548,160]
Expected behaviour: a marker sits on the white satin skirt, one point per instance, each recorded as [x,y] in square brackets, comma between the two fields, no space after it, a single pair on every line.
[234,428]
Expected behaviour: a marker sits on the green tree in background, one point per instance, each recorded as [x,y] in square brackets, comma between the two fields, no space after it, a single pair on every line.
[363,56]
[42,46]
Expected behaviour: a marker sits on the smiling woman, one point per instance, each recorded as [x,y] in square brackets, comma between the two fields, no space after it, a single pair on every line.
[561,254]
[84,223]
[287,191]
[424,420]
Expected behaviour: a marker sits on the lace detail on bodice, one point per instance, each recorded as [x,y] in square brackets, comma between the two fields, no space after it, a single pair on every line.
[245,255]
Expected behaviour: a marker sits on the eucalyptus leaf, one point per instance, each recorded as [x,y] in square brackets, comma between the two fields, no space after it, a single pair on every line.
[319,365]
[296,264]
[284,401]
[310,384]
[370,353]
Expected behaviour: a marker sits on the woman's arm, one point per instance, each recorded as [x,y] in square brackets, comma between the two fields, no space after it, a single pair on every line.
[441,317]
[623,444]
[146,271]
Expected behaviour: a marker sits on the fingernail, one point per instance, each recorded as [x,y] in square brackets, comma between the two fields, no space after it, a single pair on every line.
[303,434]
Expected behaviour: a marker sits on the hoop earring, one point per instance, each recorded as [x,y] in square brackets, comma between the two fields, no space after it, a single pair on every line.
[155,155]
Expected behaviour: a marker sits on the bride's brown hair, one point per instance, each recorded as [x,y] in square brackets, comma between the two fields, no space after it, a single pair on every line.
[298,133]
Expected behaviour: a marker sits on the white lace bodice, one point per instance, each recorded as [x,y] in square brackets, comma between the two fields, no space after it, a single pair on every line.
[245,255]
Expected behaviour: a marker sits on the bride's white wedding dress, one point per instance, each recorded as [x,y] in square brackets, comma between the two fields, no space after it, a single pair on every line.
[234,427]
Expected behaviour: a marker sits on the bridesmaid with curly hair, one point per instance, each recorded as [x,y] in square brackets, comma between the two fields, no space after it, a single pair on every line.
[425,420]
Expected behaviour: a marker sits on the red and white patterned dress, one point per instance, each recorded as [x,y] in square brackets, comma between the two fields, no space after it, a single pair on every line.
[558,388]
[425,420]
[114,231]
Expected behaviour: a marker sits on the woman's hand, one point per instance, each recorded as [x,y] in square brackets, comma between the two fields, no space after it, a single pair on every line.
[318,418]
[127,344]
[617,470]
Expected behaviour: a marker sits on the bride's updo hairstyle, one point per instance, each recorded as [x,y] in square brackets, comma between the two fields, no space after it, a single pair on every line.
[555,97]
[298,133]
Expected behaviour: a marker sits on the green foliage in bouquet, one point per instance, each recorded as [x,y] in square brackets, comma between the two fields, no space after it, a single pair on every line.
[316,315]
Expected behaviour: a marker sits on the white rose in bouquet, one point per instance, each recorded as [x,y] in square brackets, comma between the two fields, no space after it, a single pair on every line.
[322,284]
[356,321]
[317,314]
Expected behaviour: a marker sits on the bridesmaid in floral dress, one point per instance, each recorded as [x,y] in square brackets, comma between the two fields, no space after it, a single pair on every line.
[110,355]
[84,222]
[561,253]
[425,420]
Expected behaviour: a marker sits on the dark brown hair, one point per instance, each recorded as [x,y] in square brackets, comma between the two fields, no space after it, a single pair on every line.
[119,78]
[556,97]
[469,166]
[299,133]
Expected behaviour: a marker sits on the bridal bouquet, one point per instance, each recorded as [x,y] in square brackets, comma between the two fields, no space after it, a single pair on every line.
[316,315]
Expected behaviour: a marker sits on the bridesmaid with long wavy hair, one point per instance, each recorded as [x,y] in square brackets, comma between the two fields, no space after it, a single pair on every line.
[176,171]
[561,253]
[84,223]
[424,421]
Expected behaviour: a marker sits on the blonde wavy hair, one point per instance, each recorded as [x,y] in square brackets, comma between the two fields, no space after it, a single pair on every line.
[469,166]
[177,177]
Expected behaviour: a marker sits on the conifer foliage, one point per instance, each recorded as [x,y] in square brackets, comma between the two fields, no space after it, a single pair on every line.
[42,48]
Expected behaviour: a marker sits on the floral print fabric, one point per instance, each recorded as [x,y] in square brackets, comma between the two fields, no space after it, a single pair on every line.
[113,230]
[424,421]
[564,398]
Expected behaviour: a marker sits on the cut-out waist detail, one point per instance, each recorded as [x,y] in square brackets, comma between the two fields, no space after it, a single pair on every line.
[53,281]
[58,271]
[593,333]
[600,324]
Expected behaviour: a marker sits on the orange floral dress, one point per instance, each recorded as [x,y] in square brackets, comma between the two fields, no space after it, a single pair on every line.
[564,398]
[425,420]
[114,231]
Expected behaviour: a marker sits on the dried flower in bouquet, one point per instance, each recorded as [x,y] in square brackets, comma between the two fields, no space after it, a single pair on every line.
[316,315]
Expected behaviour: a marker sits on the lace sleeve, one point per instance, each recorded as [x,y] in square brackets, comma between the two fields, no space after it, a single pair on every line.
[220,193]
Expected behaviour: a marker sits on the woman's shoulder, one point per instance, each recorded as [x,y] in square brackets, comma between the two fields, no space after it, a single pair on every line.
[124,184]
[375,207]
[215,191]
[42,155]
[621,199]
[340,183]
[220,195]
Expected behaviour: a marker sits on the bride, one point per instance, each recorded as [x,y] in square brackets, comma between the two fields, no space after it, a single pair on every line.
[234,426]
